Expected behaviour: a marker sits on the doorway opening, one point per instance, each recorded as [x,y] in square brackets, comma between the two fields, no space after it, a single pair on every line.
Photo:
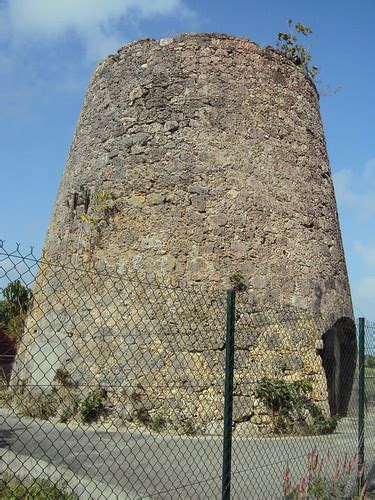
[339,356]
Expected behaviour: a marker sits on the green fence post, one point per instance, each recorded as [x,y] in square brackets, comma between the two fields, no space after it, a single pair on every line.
[228,404]
[361,401]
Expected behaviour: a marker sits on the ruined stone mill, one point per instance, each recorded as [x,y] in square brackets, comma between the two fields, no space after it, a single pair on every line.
[195,158]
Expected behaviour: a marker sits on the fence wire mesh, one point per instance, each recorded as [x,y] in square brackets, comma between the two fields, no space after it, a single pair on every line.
[112,386]
[369,401]
[296,378]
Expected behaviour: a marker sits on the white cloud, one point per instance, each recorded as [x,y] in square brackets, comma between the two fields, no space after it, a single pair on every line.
[95,22]
[51,46]
[364,295]
[367,252]
[99,44]
[343,181]
[54,17]
[365,290]
[355,189]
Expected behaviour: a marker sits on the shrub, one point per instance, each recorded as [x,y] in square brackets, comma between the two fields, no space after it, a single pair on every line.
[322,424]
[93,406]
[14,308]
[291,404]
[281,395]
[60,402]
[5,393]
[18,297]
[4,314]
[16,326]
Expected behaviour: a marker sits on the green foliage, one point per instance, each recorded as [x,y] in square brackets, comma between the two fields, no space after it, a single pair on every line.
[287,43]
[18,297]
[190,427]
[44,405]
[61,402]
[281,395]
[6,394]
[158,423]
[322,424]
[93,406]
[16,326]
[369,361]
[293,410]
[4,314]
[41,489]
[13,309]
[236,278]
[100,208]
[237,282]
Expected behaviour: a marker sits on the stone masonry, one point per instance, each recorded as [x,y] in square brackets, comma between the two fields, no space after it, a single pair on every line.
[195,159]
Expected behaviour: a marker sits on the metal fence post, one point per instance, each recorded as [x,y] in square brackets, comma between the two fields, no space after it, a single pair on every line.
[228,404]
[361,401]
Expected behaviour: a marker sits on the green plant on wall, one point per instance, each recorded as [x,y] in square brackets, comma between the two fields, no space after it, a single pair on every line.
[237,282]
[100,208]
[287,42]
[291,403]
[93,406]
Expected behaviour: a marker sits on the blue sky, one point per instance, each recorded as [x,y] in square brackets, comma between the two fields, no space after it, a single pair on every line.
[49,48]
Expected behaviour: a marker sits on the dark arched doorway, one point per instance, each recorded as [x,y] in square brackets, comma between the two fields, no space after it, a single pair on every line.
[339,357]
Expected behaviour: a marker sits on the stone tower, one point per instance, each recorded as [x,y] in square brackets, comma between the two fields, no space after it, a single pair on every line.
[197,158]
[213,151]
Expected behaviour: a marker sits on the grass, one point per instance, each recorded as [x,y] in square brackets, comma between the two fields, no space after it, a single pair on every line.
[12,488]
[61,402]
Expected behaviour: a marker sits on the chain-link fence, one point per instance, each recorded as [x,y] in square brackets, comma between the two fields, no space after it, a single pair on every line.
[367,332]
[118,385]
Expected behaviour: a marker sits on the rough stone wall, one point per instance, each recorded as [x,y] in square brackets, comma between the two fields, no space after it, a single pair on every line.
[196,158]
[214,153]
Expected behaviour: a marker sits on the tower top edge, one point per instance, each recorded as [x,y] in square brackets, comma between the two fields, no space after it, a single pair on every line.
[201,39]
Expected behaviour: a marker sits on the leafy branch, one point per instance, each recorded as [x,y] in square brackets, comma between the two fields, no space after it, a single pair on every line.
[288,44]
